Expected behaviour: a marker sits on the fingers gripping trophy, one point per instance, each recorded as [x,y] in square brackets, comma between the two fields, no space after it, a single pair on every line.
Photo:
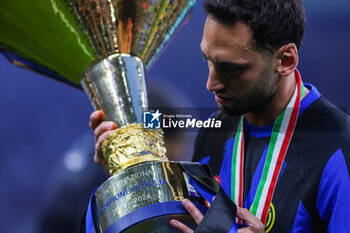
[105,47]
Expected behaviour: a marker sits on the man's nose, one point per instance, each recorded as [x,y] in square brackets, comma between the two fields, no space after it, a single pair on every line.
[214,83]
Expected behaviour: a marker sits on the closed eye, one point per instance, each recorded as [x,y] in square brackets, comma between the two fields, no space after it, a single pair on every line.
[204,56]
[232,70]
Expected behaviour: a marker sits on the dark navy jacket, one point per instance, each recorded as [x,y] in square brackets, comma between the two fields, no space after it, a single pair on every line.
[313,189]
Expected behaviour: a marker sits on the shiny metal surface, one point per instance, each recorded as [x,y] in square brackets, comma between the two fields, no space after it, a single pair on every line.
[124,33]
[138,27]
[136,187]
[116,85]
[107,45]
[132,144]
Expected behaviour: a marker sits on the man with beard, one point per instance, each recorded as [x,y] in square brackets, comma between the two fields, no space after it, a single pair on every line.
[282,154]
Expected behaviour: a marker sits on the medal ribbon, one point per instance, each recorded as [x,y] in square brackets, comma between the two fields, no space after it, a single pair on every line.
[282,132]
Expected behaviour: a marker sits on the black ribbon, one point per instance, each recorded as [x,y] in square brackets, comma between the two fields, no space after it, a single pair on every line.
[222,212]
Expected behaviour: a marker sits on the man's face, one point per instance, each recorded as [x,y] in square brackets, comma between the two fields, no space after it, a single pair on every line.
[241,78]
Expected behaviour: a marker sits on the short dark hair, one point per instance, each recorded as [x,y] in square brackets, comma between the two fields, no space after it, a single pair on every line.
[274,22]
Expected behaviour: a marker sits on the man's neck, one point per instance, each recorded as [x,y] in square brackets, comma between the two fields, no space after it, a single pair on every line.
[268,112]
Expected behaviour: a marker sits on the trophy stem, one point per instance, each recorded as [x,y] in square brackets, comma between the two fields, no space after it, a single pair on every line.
[116,84]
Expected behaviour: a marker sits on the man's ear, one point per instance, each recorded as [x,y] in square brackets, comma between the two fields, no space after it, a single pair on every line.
[287,59]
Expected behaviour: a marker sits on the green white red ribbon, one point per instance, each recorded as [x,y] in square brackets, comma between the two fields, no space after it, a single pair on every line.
[282,132]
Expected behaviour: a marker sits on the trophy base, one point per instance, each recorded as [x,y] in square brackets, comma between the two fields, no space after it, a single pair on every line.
[154,219]
[144,198]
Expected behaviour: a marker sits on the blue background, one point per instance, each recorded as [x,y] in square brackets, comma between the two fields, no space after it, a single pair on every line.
[42,119]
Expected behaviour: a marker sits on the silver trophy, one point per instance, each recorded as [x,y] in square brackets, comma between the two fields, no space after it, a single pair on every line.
[105,47]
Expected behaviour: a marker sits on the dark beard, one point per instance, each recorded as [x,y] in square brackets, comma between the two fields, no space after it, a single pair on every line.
[253,106]
[233,111]
[256,99]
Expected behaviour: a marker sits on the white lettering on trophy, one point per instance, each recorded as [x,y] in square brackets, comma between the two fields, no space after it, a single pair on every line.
[129,190]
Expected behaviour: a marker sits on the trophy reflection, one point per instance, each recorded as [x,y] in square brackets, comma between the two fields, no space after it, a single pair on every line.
[105,47]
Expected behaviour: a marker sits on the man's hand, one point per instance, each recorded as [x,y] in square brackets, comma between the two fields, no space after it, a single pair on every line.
[194,212]
[254,224]
[101,131]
